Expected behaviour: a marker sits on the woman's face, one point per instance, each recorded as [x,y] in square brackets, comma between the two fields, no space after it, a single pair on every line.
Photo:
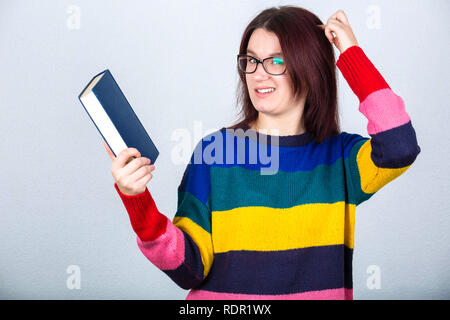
[263,44]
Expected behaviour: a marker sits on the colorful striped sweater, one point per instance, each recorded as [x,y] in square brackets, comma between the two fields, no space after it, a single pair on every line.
[241,234]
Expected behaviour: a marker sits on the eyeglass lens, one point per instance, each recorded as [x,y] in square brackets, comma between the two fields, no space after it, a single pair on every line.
[274,65]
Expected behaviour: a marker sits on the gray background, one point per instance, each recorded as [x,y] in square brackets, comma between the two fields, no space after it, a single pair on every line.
[175,61]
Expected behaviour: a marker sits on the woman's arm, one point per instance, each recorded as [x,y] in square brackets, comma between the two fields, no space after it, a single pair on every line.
[393,145]
[371,163]
[181,248]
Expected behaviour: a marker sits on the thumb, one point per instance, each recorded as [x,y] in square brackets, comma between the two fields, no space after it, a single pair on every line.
[111,155]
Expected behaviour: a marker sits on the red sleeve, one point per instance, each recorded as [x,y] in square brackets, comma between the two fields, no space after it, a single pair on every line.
[361,75]
[145,218]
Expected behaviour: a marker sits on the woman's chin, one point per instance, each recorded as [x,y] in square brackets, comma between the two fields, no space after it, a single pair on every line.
[265,109]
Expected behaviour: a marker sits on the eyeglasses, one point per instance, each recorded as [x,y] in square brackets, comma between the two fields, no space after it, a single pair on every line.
[272,65]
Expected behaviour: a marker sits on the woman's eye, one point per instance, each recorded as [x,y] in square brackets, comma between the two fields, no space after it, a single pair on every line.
[251,60]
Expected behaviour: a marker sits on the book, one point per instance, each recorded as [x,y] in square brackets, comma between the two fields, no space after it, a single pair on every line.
[114,117]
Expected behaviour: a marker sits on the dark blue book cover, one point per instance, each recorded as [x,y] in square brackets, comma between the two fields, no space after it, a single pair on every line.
[114,117]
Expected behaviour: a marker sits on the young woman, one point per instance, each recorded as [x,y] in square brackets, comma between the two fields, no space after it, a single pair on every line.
[241,234]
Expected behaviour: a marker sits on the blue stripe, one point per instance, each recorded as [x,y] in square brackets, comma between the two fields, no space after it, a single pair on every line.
[281,272]
[196,177]
[250,154]
[396,147]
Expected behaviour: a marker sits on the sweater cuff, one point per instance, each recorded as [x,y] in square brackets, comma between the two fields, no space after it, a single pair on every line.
[361,75]
[145,218]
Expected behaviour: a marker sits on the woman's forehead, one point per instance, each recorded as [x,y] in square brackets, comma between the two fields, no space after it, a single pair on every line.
[264,43]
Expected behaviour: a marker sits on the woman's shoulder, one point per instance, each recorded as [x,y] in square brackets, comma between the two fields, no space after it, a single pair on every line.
[350,138]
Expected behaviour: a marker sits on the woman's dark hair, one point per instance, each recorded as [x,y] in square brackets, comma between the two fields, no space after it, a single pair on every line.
[310,62]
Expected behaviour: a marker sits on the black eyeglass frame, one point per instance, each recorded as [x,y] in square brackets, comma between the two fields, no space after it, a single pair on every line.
[257,62]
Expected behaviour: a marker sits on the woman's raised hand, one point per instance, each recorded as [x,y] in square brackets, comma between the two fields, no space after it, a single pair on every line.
[339,25]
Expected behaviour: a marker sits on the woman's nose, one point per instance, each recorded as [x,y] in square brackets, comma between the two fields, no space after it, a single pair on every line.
[260,72]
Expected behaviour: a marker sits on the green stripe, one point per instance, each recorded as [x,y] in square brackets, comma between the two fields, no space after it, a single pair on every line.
[191,207]
[357,195]
[238,187]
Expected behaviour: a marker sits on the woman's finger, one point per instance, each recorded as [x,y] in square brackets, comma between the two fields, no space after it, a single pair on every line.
[335,26]
[341,17]
[141,172]
[144,180]
[111,155]
[126,156]
[328,33]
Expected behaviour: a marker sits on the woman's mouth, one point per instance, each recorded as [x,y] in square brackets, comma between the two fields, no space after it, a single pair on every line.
[264,92]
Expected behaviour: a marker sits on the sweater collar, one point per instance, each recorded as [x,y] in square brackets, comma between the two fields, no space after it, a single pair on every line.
[283,141]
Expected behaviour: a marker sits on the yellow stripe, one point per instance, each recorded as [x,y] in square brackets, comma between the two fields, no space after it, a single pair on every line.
[201,238]
[373,178]
[270,229]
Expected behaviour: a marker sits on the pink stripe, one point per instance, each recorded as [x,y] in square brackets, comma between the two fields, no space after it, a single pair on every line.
[167,251]
[330,294]
[384,110]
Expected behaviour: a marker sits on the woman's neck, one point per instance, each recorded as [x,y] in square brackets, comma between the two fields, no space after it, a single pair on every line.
[278,127]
